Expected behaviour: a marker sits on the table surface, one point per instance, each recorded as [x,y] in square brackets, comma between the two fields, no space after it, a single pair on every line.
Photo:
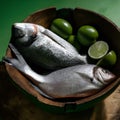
[12,11]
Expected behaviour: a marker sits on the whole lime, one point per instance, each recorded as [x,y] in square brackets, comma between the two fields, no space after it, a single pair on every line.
[87,35]
[61,27]
[72,39]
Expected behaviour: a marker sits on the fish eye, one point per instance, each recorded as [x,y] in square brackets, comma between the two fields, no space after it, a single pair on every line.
[91,79]
[105,71]
[18,33]
[33,36]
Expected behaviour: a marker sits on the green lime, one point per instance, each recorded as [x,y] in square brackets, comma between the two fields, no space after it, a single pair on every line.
[109,59]
[98,49]
[87,35]
[61,27]
[72,39]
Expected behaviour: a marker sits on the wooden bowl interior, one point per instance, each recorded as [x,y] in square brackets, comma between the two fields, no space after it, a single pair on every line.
[77,17]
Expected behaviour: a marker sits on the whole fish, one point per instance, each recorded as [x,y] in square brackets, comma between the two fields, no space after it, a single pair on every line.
[41,46]
[70,82]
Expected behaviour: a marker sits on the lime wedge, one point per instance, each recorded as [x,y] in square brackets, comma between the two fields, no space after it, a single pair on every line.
[108,60]
[98,49]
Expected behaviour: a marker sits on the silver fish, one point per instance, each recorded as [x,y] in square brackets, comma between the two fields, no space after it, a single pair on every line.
[43,47]
[69,82]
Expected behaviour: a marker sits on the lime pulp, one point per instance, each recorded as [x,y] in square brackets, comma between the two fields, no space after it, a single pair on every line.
[98,49]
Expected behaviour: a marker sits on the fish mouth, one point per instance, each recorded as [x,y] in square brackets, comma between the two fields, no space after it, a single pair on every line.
[98,76]
[103,76]
[113,77]
[17,31]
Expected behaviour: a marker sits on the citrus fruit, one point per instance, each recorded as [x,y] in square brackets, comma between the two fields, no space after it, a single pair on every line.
[109,59]
[72,39]
[87,35]
[98,49]
[61,27]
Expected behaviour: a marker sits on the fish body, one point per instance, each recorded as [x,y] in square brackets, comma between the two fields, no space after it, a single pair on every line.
[42,47]
[76,81]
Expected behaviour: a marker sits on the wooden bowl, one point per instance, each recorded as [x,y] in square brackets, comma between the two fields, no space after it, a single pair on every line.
[77,17]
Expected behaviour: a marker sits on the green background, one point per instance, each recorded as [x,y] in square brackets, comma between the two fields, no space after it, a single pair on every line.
[12,11]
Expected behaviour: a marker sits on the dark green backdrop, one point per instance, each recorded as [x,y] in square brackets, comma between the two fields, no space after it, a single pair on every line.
[12,11]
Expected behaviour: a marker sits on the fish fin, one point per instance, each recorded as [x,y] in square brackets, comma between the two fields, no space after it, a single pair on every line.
[54,37]
[18,62]
[17,54]
[60,41]
[41,92]
[7,60]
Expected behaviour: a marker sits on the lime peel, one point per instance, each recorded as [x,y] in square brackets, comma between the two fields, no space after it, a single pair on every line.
[109,59]
[87,35]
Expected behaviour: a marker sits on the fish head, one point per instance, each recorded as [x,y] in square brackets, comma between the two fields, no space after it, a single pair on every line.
[25,33]
[103,76]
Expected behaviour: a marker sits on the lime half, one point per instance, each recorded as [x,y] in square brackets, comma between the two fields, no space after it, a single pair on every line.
[98,49]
